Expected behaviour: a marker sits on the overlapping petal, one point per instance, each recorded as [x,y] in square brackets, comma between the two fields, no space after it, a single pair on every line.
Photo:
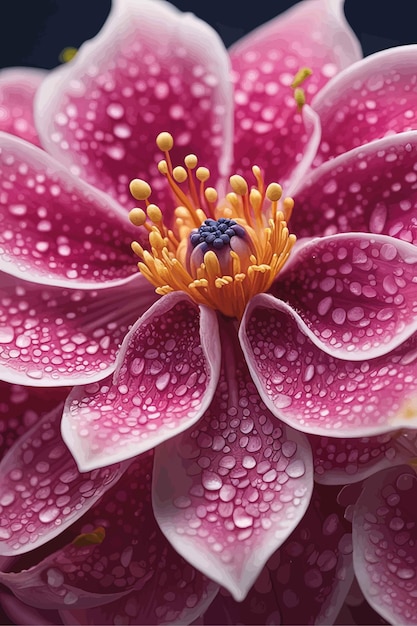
[317,393]
[41,490]
[50,336]
[269,131]
[230,490]
[370,189]
[21,613]
[305,581]
[151,68]
[356,294]
[56,229]
[17,90]
[369,100]
[167,372]
[385,548]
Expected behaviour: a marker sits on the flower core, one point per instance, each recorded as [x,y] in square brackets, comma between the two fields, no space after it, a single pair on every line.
[221,253]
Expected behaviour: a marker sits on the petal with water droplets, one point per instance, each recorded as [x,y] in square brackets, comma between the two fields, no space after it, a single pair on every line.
[165,378]
[18,86]
[230,490]
[356,293]
[318,393]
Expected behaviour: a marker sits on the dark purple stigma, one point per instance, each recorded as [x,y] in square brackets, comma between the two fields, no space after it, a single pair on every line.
[216,233]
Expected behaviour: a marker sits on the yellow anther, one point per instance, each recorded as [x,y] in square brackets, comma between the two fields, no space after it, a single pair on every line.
[300,97]
[140,189]
[300,76]
[238,184]
[137,217]
[179,174]
[137,249]
[156,240]
[288,204]
[191,161]
[274,192]
[233,199]
[255,199]
[87,539]
[202,173]
[210,194]
[154,213]
[163,167]
[67,54]
[165,141]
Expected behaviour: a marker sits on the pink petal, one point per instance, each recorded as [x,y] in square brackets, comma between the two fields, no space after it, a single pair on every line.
[385,550]
[150,69]
[167,372]
[317,393]
[344,461]
[17,90]
[21,407]
[268,129]
[26,615]
[229,491]
[355,293]
[369,100]
[305,581]
[372,188]
[41,491]
[56,229]
[134,559]
[52,336]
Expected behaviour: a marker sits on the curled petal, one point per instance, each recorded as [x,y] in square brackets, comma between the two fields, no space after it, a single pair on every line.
[56,229]
[41,490]
[369,189]
[52,336]
[166,375]
[229,491]
[356,293]
[372,98]
[269,130]
[150,69]
[385,552]
[318,393]
[305,581]
[17,90]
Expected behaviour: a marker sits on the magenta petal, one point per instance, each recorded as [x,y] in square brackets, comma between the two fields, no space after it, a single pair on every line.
[56,229]
[317,393]
[166,375]
[52,336]
[372,188]
[344,461]
[371,99]
[135,557]
[17,90]
[26,615]
[355,293]
[385,548]
[150,69]
[268,129]
[41,490]
[305,581]
[229,491]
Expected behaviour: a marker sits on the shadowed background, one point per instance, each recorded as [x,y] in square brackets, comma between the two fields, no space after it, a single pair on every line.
[34,32]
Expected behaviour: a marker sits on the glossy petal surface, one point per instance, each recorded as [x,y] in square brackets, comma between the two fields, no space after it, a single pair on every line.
[147,71]
[268,129]
[230,490]
[305,581]
[17,90]
[41,490]
[55,229]
[166,589]
[53,336]
[369,100]
[385,548]
[166,375]
[356,294]
[370,189]
[317,393]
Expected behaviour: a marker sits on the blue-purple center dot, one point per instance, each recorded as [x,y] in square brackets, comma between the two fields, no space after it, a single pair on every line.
[216,233]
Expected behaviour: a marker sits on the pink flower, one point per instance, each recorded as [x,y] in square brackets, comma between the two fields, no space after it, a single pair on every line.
[193,439]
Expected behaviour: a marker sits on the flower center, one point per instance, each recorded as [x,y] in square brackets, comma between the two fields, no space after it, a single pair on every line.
[220,253]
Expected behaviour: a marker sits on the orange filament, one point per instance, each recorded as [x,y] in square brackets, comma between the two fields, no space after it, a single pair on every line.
[224,280]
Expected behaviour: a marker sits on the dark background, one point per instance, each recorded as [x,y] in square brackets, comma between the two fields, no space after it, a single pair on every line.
[34,32]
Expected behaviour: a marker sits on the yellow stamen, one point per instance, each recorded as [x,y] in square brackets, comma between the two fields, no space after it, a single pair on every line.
[87,539]
[140,189]
[300,76]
